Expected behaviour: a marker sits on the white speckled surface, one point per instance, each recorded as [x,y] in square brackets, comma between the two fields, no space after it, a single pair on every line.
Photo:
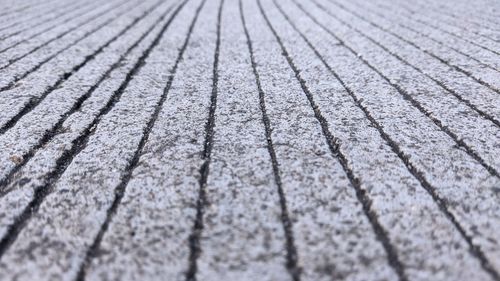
[249,140]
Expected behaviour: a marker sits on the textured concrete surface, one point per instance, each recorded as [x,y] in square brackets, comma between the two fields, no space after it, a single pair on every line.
[249,140]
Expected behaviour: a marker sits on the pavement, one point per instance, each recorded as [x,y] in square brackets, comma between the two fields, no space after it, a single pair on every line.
[244,140]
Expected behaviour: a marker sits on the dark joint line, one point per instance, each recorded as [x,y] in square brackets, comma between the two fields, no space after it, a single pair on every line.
[194,237]
[291,250]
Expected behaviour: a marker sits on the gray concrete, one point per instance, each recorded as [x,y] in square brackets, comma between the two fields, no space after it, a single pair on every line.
[249,140]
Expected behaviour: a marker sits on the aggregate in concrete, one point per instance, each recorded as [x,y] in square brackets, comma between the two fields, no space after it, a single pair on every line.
[249,140]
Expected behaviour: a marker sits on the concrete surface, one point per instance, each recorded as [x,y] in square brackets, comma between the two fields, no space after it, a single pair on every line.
[249,140]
